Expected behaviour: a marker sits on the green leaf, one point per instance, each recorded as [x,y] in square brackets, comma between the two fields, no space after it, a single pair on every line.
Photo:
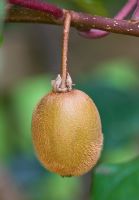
[115,93]
[94,7]
[98,7]
[120,74]
[62,3]
[58,188]
[119,111]
[24,98]
[2,8]
[116,181]
[90,6]
[3,132]
[2,15]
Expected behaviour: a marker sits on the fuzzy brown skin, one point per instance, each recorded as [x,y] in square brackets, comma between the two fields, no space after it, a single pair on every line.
[67,134]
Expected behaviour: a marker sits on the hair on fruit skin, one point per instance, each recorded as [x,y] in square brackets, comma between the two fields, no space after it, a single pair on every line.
[67,133]
[66,126]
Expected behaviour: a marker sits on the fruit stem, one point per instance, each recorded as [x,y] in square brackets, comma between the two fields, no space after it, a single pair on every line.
[67,22]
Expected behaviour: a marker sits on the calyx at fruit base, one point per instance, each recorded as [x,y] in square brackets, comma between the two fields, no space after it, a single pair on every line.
[56,84]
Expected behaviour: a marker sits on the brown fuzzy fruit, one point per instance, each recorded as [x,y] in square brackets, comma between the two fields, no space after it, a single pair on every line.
[67,133]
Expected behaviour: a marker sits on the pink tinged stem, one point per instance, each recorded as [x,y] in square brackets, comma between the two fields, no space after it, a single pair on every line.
[126,9]
[136,13]
[95,33]
[39,5]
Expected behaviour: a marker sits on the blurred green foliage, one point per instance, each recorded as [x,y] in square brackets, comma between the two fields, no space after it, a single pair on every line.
[59,188]
[119,74]
[91,6]
[2,15]
[114,88]
[98,7]
[24,98]
[116,181]
[3,132]
[116,96]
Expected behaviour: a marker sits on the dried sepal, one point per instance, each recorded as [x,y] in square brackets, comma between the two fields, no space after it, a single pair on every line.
[56,84]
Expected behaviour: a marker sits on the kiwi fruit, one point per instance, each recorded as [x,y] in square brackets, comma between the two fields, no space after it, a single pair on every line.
[67,133]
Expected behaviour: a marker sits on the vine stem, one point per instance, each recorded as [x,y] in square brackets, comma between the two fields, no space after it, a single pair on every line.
[67,22]
[82,21]
[96,33]
[39,5]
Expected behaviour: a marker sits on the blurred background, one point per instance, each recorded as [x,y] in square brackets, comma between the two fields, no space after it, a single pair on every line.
[107,70]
